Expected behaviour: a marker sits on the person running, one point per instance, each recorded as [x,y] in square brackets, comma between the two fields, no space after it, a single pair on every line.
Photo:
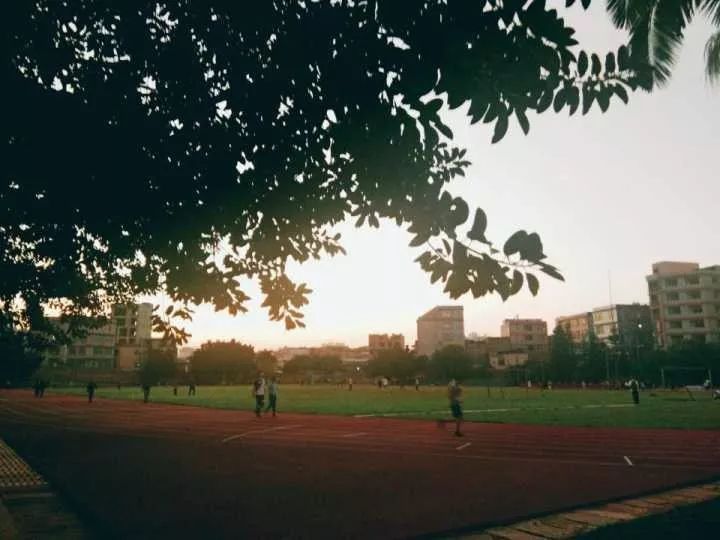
[259,393]
[90,388]
[272,396]
[455,397]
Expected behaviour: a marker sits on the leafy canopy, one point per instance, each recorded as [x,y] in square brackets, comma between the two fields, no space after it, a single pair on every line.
[188,146]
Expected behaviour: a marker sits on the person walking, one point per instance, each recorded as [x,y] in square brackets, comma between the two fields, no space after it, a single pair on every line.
[635,391]
[350,383]
[272,396]
[455,397]
[417,383]
[90,388]
[259,393]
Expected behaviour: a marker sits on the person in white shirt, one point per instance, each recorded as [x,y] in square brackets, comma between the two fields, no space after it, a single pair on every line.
[259,393]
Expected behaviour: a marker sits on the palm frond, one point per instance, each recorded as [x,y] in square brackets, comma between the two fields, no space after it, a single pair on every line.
[712,9]
[712,58]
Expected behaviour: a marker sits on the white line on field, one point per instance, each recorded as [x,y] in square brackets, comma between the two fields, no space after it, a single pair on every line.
[256,431]
[359,434]
[627,460]
[463,446]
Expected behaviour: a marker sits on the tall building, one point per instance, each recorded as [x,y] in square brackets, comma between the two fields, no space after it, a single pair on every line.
[529,335]
[626,325]
[133,323]
[439,327]
[685,302]
[578,327]
[379,342]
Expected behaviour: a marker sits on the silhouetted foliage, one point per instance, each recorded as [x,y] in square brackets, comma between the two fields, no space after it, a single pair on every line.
[562,366]
[158,366]
[450,362]
[226,362]
[657,29]
[183,146]
[266,362]
[395,363]
[308,367]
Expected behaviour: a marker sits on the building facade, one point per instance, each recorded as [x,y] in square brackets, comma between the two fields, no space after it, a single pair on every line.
[528,335]
[485,348]
[380,342]
[626,325]
[684,302]
[508,360]
[577,327]
[133,323]
[94,351]
[438,328]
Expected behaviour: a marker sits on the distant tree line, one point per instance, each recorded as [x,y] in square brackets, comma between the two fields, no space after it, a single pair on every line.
[594,361]
[229,362]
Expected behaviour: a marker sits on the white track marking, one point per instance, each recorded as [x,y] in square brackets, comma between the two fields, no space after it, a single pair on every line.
[627,460]
[351,435]
[257,431]
[463,446]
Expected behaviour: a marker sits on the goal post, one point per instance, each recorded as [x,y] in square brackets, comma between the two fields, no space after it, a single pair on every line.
[684,376]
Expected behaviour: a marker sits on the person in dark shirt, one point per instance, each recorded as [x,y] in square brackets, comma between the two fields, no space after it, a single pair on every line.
[90,389]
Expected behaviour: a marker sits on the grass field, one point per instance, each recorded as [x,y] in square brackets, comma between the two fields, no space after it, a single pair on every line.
[664,409]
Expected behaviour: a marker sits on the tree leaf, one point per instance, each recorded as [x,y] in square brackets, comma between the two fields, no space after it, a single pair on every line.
[560,98]
[501,127]
[582,63]
[610,63]
[477,231]
[544,102]
[621,93]
[533,283]
[522,120]
[596,64]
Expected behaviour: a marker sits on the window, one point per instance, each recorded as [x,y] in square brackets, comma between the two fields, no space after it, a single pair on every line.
[693,295]
[675,325]
[673,310]
[692,281]
[528,337]
[715,279]
[695,310]
[697,323]
[672,297]
[671,282]
[528,328]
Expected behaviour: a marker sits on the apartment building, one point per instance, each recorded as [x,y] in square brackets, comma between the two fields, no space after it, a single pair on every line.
[684,302]
[133,323]
[485,348]
[578,326]
[439,327]
[529,335]
[626,325]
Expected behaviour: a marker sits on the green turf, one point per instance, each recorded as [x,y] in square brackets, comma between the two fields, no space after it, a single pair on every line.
[670,409]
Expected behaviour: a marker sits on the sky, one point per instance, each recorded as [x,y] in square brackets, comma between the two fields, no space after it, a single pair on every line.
[609,195]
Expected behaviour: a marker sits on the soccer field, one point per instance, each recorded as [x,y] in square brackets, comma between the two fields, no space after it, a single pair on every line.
[660,408]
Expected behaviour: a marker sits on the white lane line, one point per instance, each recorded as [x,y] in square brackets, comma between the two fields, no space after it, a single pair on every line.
[351,435]
[258,431]
[463,446]
[627,460]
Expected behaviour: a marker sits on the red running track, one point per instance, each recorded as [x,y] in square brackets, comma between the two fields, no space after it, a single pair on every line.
[136,470]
